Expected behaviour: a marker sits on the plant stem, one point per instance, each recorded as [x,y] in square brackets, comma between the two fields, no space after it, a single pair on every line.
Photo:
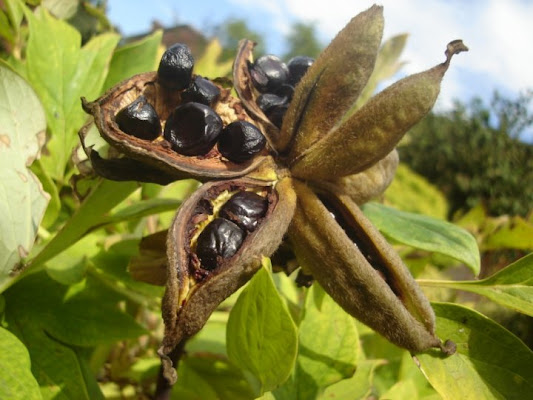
[163,389]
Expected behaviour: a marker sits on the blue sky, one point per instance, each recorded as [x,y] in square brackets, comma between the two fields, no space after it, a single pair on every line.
[498,32]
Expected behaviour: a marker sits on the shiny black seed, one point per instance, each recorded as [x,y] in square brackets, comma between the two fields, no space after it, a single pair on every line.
[298,66]
[240,141]
[201,91]
[175,67]
[286,91]
[139,119]
[269,73]
[192,129]
[219,240]
[276,114]
[245,209]
[268,100]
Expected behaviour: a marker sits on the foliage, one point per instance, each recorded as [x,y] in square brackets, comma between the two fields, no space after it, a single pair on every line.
[302,41]
[74,324]
[471,161]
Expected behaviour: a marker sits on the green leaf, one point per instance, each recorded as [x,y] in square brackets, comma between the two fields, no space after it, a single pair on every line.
[86,314]
[511,287]
[15,13]
[402,390]
[61,72]
[209,64]
[358,386]
[62,9]
[261,335]
[490,362]
[328,346]
[426,233]
[134,58]
[210,377]
[105,195]
[22,199]
[16,380]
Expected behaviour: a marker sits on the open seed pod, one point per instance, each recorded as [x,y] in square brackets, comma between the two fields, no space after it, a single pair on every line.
[155,150]
[324,156]
[196,282]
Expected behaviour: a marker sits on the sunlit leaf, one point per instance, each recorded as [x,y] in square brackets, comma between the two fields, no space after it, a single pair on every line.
[22,199]
[490,362]
[511,287]
[261,335]
[16,380]
[426,233]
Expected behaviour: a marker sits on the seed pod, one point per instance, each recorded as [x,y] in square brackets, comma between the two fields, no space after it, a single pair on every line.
[193,294]
[192,129]
[246,209]
[175,67]
[360,270]
[158,155]
[201,91]
[240,141]
[375,129]
[139,119]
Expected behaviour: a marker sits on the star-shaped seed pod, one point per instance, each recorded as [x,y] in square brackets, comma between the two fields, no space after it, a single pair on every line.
[320,158]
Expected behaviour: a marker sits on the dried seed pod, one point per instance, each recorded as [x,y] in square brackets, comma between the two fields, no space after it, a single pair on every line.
[246,209]
[158,155]
[175,67]
[379,124]
[139,119]
[201,91]
[351,261]
[240,141]
[192,294]
[192,129]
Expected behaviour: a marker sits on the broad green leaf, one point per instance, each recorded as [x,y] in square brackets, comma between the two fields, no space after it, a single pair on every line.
[54,206]
[209,64]
[402,390]
[15,13]
[426,233]
[204,376]
[22,199]
[490,362]
[358,386]
[328,346]
[55,366]
[16,380]
[105,196]
[134,58]
[261,335]
[511,287]
[61,72]
[515,233]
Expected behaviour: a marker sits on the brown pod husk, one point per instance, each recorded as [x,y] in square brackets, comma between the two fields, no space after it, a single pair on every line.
[373,131]
[191,294]
[158,153]
[248,95]
[150,266]
[360,270]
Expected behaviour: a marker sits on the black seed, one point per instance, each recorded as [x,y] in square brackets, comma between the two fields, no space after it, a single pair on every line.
[139,119]
[192,129]
[268,100]
[286,91]
[240,141]
[276,114]
[220,239]
[175,68]
[269,73]
[245,209]
[298,66]
[201,91]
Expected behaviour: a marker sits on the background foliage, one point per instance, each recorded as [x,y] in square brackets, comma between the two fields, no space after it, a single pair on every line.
[74,324]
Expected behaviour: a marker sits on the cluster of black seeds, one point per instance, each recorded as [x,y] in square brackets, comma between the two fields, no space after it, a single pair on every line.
[276,81]
[194,127]
[223,236]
